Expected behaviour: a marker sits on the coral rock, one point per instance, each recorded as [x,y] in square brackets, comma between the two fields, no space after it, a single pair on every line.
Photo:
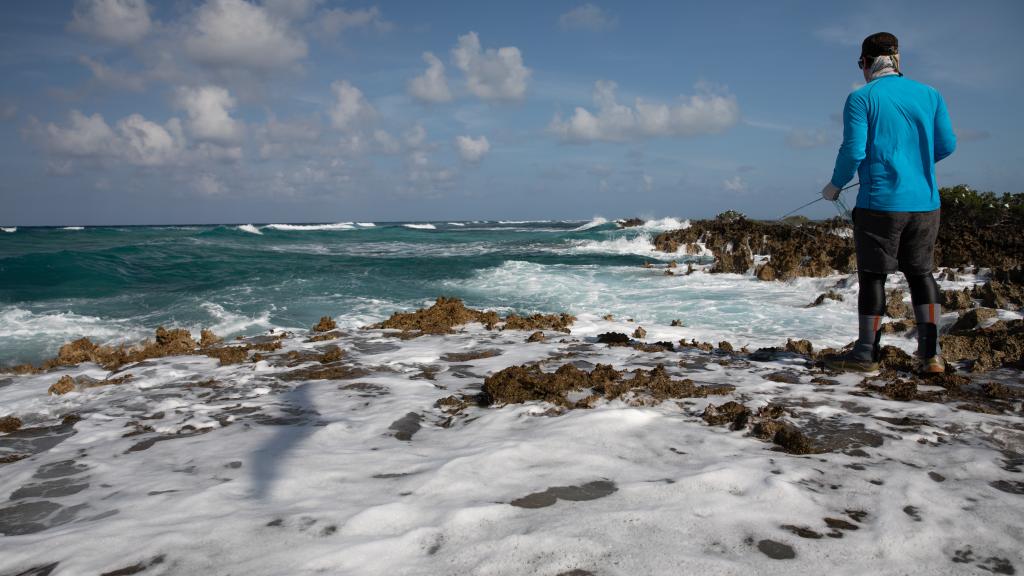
[326,324]
[9,424]
[207,338]
[63,386]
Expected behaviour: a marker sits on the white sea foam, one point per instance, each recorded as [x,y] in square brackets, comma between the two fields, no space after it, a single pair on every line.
[420,226]
[28,334]
[639,245]
[663,224]
[597,221]
[523,221]
[311,227]
[714,307]
[456,224]
[366,224]
[249,228]
[308,477]
[10,229]
[230,323]
[73,228]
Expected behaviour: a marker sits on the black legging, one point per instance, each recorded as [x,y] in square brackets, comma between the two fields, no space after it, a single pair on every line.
[871,299]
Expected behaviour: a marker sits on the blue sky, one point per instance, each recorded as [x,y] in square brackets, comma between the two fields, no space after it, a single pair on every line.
[138,112]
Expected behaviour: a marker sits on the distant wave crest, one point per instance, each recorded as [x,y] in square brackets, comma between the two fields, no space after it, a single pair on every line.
[598,221]
[311,227]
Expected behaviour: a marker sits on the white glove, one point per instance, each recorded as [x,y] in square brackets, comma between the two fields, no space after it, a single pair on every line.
[830,192]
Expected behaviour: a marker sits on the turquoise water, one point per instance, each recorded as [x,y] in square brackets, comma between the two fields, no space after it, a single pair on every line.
[107,280]
[116,284]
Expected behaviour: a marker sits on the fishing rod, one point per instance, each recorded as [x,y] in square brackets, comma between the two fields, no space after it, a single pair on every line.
[819,199]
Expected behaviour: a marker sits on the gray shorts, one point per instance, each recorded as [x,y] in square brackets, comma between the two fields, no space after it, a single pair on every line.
[891,241]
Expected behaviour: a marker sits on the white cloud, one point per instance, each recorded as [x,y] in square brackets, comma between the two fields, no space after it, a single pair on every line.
[217,153]
[350,106]
[292,131]
[113,78]
[136,140]
[86,136]
[472,149]
[587,17]
[648,181]
[431,86]
[209,114]
[800,138]
[286,138]
[385,142]
[735,184]
[707,112]
[116,21]
[149,144]
[491,74]
[237,34]
[333,22]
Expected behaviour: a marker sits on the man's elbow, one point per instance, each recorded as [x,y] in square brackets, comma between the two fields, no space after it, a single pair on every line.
[945,151]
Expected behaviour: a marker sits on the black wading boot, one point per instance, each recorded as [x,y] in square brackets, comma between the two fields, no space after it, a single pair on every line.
[863,357]
[928,353]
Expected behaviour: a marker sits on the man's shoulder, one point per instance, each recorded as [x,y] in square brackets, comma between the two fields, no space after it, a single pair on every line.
[893,87]
[915,85]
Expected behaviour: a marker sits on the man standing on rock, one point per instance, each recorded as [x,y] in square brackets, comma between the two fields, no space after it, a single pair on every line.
[894,131]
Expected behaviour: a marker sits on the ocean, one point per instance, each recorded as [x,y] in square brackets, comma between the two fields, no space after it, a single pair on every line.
[367,452]
[116,284]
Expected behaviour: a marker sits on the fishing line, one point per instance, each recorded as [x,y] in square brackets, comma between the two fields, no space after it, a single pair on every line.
[820,198]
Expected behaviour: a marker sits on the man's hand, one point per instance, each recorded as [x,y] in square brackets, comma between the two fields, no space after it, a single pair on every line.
[830,192]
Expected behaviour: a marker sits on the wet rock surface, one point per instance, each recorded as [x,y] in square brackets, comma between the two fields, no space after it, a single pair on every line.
[1001,344]
[581,493]
[447,313]
[830,295]
[406,426]
[808,249]
[976,229]
[326,324]
[518,384]
[440,318]
[776,550]
[554,322]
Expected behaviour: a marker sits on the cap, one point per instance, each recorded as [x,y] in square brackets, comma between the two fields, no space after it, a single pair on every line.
[880,44]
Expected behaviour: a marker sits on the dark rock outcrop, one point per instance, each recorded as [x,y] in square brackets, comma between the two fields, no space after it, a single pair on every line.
[517,384]
[441,318]
[810,249]
[987,348]
[326,324]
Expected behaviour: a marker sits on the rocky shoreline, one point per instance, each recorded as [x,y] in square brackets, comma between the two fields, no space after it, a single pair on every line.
[976,231]
[518,414]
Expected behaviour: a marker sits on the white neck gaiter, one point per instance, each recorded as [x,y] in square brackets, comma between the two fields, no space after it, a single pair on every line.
[885,66]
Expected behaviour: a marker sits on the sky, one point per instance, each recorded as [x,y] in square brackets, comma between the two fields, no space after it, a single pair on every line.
[234,111]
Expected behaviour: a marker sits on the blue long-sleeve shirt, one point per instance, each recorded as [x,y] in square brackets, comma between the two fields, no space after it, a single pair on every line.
[894,131]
